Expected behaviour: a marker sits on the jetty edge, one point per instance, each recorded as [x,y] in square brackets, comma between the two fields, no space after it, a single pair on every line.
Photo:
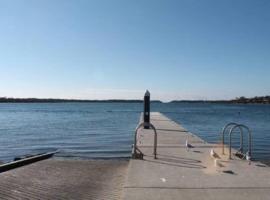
[180,173]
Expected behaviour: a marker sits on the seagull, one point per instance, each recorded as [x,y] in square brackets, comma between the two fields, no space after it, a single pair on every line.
[248,158]
[188,145]
[214,154]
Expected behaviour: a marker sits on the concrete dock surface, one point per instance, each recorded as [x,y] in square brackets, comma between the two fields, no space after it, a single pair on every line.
[181,173]
[65,179]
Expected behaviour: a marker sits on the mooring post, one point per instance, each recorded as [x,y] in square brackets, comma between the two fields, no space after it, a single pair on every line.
[146,113]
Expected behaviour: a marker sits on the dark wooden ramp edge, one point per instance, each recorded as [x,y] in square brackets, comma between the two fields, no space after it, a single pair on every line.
[25,161]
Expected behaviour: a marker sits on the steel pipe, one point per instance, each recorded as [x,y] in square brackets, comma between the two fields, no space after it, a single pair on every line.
[223,133]
[249,138]
[155,137]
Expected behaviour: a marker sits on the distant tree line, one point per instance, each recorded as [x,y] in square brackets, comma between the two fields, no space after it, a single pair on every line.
[37,100]
[261,100]
[244,100]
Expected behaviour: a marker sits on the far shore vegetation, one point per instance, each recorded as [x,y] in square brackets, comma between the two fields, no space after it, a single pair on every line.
[238,100]
[241,100]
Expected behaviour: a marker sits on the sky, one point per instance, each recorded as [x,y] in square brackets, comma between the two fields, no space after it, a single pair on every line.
[116,49]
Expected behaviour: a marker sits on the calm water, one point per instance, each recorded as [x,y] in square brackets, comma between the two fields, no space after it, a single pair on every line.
[105,130]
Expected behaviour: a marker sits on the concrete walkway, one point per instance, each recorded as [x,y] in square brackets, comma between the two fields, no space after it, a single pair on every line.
[181,174]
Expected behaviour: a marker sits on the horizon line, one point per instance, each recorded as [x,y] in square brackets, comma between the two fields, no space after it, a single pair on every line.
[117,99]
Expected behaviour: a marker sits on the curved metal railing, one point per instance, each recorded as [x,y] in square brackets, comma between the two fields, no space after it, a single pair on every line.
[135,147]
[240,126]
[224,131]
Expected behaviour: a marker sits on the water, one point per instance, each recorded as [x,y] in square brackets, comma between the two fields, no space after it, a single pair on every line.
[105,130]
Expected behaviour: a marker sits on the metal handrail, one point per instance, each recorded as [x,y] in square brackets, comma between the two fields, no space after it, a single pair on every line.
[241,134]
[249,138]
[155,137]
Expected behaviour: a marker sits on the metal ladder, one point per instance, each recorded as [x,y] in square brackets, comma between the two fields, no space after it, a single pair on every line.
[136,152]
[225,128]
[240,127]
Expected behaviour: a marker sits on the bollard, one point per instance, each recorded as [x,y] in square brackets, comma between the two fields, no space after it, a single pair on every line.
[146,113]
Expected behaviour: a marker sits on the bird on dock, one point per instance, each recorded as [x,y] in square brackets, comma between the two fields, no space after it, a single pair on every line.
[248,158]
[188,145]
[214,154]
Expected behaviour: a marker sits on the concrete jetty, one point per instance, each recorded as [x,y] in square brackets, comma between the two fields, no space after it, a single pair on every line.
[180,173]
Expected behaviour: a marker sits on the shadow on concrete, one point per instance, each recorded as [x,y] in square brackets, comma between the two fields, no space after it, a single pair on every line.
[161,120]
[177,162]
[181,131]
[229,172]
[180,158]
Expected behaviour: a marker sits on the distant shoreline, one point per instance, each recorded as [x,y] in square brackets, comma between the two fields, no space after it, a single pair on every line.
[240,100]
[39,100]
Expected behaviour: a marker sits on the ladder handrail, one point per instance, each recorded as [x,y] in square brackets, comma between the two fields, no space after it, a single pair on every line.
[223,133]
[155,137]
[249,138]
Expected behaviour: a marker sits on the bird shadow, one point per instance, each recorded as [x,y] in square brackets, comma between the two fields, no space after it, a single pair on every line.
[197,151]
[229,172]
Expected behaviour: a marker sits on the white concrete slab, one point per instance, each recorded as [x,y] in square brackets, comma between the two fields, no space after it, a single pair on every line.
[178,173]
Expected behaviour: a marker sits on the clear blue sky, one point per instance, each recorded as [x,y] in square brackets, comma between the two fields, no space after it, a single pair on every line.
[192,49]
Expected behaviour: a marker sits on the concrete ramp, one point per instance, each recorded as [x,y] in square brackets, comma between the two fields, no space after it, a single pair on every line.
[64,179]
